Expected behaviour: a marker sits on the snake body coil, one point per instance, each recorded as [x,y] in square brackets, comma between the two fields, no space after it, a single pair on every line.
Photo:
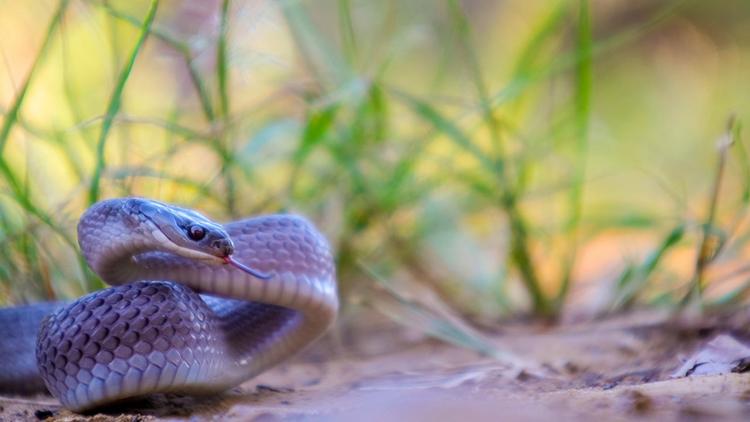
[179,319]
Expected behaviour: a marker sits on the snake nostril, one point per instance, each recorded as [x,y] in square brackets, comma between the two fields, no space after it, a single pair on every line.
[224,246]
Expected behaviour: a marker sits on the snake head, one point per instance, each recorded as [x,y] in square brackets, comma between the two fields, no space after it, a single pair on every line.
[187,232]
[190,234]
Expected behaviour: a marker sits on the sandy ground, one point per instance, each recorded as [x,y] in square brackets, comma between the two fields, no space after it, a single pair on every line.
[617,369]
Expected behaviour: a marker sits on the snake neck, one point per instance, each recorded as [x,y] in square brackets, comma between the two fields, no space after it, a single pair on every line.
[111,235]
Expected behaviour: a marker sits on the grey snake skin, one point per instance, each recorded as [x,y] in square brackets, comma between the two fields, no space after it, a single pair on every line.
[184,316]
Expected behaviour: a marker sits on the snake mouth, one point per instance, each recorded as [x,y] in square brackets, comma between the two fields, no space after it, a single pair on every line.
[163,238]
[203,256]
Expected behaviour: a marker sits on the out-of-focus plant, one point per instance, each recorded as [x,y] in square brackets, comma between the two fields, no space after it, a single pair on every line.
[463,145]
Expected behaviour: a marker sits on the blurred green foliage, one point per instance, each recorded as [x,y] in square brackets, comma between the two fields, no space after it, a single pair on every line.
[510,155]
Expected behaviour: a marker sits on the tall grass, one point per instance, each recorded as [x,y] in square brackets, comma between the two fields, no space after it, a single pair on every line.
[114,103]
[431,143]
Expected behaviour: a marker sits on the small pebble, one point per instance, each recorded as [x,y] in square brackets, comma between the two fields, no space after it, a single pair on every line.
[637,403]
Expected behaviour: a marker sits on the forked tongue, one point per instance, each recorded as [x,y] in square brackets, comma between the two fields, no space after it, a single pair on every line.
[255,273]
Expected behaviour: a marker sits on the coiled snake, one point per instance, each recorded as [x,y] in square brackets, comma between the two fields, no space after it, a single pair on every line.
[197,307]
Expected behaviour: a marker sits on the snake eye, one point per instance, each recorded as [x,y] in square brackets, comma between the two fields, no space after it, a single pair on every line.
[196,233]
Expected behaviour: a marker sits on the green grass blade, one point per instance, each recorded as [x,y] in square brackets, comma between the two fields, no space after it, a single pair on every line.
[744,163]
[322,60]
[442,124]
[634,278]
[221,59]
[318,123]
[540,37]
[346,28]
[115,102]
[12,115]
[317,126]
[200,86]
[582,95]
[520,83]
[713,237]
[471,59]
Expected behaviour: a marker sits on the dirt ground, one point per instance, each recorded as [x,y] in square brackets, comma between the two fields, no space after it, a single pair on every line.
[617,369]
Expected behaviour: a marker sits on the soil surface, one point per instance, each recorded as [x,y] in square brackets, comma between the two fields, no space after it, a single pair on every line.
[620,368]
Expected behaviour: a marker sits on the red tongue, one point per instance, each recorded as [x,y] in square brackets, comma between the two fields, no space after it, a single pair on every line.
[252,272]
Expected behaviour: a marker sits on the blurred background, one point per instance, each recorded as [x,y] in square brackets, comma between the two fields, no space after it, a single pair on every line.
[495,158]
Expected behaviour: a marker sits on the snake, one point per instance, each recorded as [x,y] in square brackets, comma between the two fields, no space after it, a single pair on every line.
[195,307]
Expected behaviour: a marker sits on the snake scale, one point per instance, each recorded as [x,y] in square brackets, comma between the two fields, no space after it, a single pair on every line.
[196,307]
